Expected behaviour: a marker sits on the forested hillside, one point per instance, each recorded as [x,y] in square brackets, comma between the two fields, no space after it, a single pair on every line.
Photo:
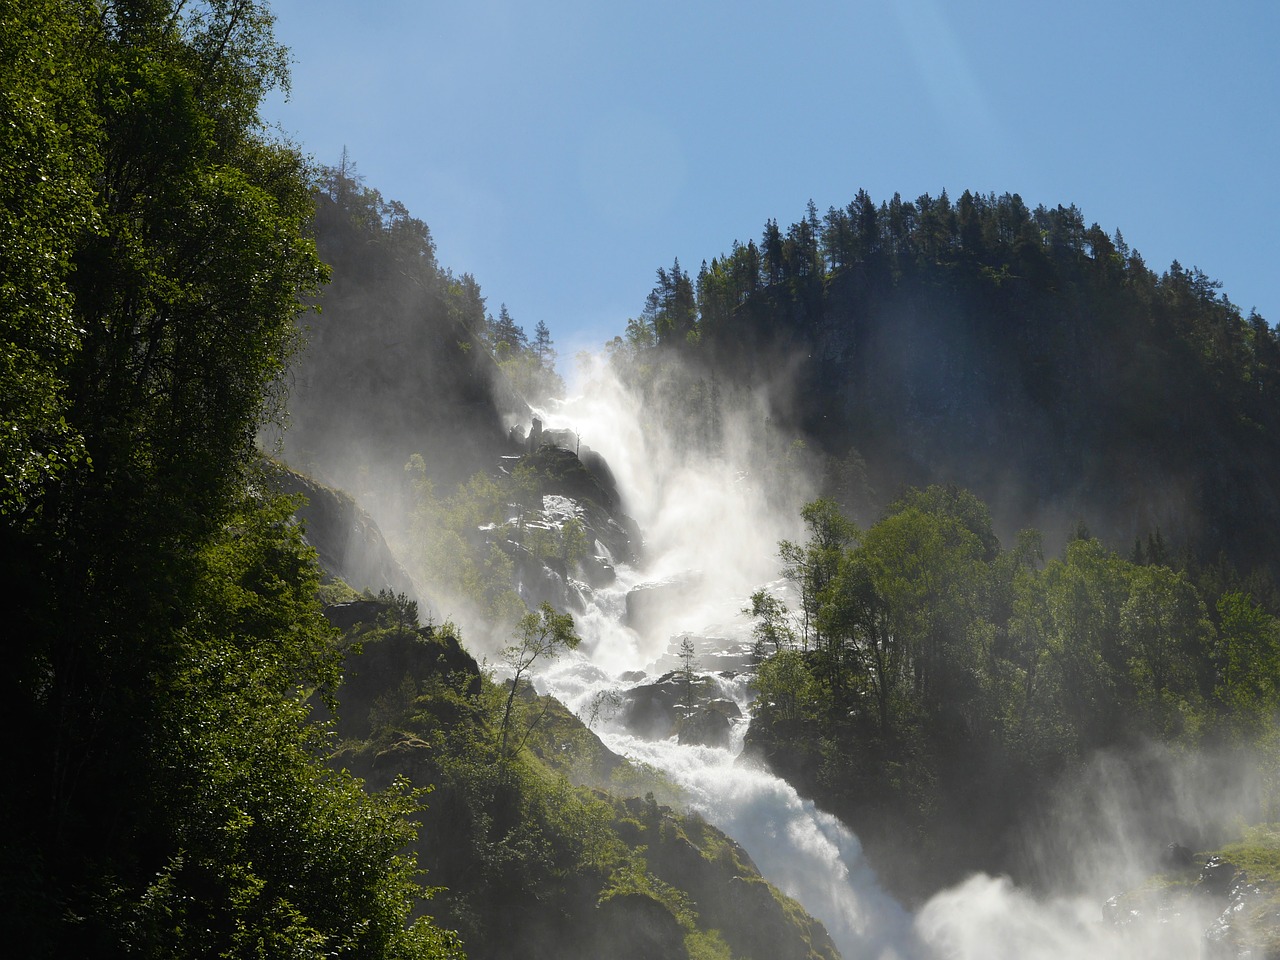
[942,691]
[404,357]
[165,791]
[1017,352]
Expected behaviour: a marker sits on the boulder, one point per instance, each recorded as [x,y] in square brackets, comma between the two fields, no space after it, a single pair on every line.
[705,727]
[1217,877]
[656,711]
[650,709]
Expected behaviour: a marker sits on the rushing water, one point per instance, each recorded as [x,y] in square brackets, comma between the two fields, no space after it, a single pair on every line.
[803,851]
[704,515]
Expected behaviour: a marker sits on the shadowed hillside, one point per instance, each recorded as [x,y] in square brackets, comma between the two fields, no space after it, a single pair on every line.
[1015,352]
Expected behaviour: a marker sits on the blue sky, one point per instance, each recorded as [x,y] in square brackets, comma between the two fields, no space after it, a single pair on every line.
[562,151]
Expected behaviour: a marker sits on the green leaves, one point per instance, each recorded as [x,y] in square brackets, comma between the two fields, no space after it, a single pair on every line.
[170,781]
[48,140]
[540,635]
[945,673]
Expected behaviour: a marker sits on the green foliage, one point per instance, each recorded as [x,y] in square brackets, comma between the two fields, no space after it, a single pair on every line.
[541,635]
[773,629]
[785,687]
[1248,657]
[670,310]
[49,140]
[688,672]
[445,550]
[271,849]
[169,778]
[400,614]
[812,566]
[336,591]
[530,367]
[941,669]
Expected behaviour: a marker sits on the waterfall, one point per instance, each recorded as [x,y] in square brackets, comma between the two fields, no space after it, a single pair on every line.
[711,538]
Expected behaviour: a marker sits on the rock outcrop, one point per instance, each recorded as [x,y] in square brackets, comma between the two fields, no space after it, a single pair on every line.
[658,710]
[348,541]
[1232,913]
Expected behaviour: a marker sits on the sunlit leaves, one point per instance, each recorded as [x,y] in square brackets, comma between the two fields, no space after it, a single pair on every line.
[48,143]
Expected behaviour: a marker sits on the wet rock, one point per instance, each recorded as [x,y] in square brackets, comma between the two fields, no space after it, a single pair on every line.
[729,709]
[597,571]
[656,710]
[705,727]
[650,710]
[1232,925]
[1217,878]
[599,468]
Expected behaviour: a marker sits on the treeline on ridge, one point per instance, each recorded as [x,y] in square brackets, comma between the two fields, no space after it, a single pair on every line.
[1013,351]
[404,356]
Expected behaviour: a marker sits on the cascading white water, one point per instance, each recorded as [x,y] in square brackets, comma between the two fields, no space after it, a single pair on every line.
[701,515]
[806,853]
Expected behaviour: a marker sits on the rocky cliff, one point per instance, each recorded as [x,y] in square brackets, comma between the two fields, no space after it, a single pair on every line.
[351,548]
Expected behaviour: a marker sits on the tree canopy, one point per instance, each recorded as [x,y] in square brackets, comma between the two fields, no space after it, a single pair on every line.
[929,670]
[168,792]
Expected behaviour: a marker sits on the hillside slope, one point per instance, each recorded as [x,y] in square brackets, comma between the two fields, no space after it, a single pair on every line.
[1015,352]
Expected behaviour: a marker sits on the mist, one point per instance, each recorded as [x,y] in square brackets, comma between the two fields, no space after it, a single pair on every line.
[711,513]
[712,504]
[713,523]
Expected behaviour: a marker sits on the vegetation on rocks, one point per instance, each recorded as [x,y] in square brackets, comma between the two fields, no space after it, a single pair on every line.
[528,837]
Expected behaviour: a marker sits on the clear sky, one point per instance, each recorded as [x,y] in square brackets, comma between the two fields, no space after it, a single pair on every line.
[562,151]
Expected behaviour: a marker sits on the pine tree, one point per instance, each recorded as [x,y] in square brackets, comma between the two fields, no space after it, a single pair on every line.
[505,336]
[543,347]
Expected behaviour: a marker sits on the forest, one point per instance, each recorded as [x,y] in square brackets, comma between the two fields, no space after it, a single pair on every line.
[1016,352]
[1043,526]
[928,669]
[168,794]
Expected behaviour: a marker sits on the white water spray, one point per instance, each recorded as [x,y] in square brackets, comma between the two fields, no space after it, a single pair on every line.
[707,515]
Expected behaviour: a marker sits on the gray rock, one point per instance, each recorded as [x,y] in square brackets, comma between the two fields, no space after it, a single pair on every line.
[705,727]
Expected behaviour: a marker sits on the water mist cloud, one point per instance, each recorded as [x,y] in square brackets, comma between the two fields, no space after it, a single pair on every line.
[713,508]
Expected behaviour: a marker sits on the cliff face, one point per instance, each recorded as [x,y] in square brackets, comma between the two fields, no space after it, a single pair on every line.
[395,361]
[348,541]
